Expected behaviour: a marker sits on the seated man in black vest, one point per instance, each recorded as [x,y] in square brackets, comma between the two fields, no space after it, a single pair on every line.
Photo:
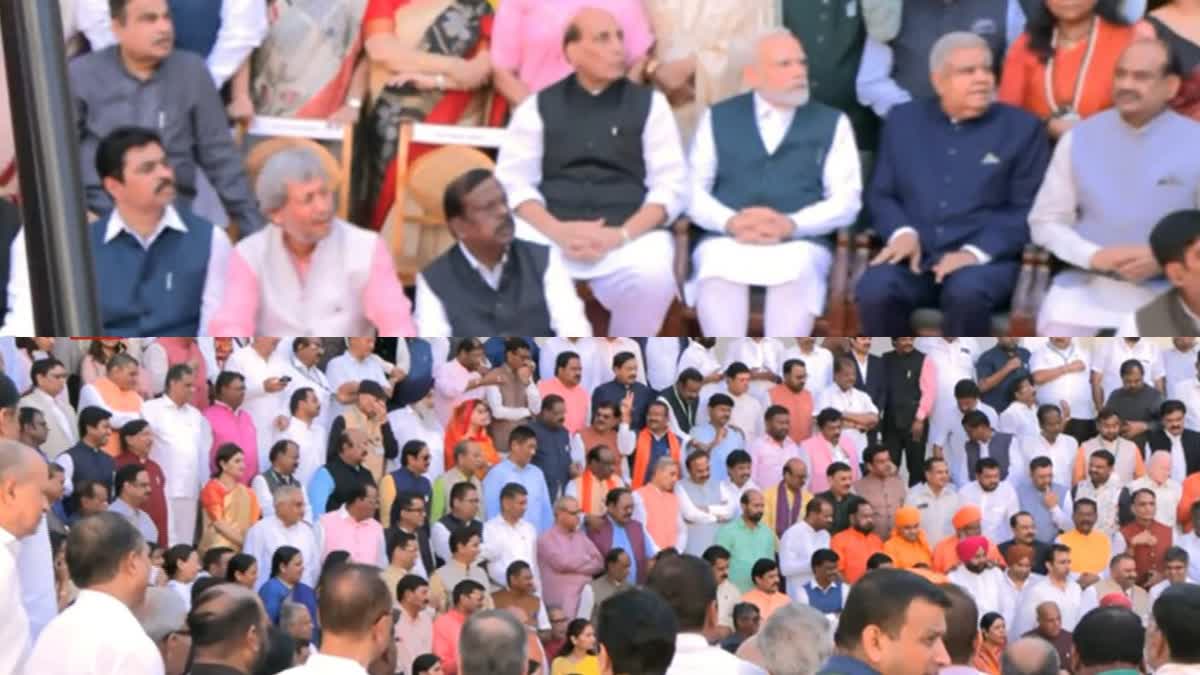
[594,166]
[774,175]
[491,283]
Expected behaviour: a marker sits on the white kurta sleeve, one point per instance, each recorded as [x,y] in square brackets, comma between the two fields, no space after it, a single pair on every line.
[842,176]
[567,315]
[243,27]
[666,169]
[430,314]
[500,411]
[19,320]
[705,210]
[519,164]
[874,84]
[1054,214]
[626,440]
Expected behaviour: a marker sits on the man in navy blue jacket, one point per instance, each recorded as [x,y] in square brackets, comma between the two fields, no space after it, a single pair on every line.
[953,186]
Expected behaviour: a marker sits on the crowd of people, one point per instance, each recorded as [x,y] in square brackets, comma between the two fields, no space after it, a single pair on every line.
[244,506]
[770,126]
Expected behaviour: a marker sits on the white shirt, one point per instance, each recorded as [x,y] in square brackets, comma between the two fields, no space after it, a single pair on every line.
[263,406]
[1188,392]
[757,354]
[182,441]
[90,396]
[1068,600]
[732,494]
[1166,499]
[136,517]
[407,423]
[38,594]
[504,544]
[267,535]
[304,376]
[1176,366]
[701,358]
[495,401]
[19,320]
[694,656]
[954,447]
[796,547]
[97,635]
[584,347]
[566,309]
[841,175]
[662,357]
[1010,599]
[312,440]
[1157,589]
[243,28]
[1074,388]
[323,664]
[1178,458]
[1061,453]
[600,370]
[626,444]
[953,361]
[345,368]
[997,506]
[852,401]
[1191,543]
[937,511]
[1019,419]
[1113,352]
[986,588]
[519,166]
[818,365]
[14,630]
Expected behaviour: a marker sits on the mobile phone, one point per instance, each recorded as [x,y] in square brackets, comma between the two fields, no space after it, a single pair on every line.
[285,379]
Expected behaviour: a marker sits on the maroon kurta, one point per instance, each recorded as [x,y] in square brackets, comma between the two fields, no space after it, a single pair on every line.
[156,503]
[1147,557]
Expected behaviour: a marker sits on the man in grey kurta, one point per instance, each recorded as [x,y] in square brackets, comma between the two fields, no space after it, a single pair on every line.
[143,81]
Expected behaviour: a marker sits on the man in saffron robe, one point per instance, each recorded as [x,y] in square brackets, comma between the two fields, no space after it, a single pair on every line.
[968,522]
[908,547]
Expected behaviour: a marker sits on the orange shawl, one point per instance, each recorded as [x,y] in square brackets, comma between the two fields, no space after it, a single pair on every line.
[641,455]
[459,429]
[907,554]
[987,658]
[585,490]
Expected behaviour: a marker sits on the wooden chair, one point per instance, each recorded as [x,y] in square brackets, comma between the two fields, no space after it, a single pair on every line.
[286,134]
[1020,320]
[682,320]
[425,181]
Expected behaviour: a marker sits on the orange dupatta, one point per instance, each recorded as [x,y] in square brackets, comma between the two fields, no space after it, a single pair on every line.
[459,429]
[585,489]
[641,456]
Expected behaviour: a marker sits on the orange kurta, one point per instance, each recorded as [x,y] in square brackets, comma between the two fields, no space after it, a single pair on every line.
[799,407]
[908,554]
[1191,492]
[120,401]
[766,603]
[854,549]
[1024,84]
[945,555]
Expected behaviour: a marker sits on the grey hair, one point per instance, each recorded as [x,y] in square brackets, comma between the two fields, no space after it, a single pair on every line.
[295,165]
[16,458]
[162,612]
[953,42]
[561,503]
[744,53]
[796,640]
[664,462]
[492,643]
[284,491]
[288,612]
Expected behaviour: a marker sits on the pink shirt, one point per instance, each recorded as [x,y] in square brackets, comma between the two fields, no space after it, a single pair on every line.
[528,36]
[446,629]
[362,540]
[769,457]
[820,455]
[568,562]
[450,381]
[414,637]
[237,427]
[578,401]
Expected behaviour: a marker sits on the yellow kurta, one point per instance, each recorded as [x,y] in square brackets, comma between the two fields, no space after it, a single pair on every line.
[771,502]
[707,29]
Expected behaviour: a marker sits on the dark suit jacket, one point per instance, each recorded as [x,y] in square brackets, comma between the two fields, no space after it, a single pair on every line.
[1158,440]
[614,392]
[998,450]
[877,387]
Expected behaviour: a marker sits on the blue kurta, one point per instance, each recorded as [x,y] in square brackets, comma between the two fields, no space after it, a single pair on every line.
[539,511]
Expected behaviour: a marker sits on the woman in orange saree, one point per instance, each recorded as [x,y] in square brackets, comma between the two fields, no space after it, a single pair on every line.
[993,635]
[429,62]
[470,422]
[228,507]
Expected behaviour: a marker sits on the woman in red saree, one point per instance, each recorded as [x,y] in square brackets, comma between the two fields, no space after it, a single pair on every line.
[470,422]
[428,61]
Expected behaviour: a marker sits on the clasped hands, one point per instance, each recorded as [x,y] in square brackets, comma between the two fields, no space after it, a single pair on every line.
[906,246]
[1134,264]
[760,225]
[588,240]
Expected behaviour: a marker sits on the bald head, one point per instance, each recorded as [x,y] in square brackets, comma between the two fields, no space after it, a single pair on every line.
[352,600]
[594,45]
[1030,656]
[23,479]
[228,621]
[493,642]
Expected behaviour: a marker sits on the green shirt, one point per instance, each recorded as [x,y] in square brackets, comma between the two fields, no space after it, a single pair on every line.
[746,546]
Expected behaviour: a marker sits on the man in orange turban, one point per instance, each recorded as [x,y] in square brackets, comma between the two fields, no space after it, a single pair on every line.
[908,546]
[967,522]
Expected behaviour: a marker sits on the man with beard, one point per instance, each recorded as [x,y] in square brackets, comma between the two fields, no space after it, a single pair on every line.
[491,283]
[977,575]
[747,539]
[999,368]
[858,543]
[160,270]
[1079,218]
[229,631]
[769,210]
[792,395]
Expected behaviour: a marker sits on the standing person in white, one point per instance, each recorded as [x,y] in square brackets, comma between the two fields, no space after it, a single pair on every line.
[286,527]
[360,362]
[182,439]
[800,541]
[99,635]
[22,505]
[859,413]
[1106,368]
[300,367]
[1177,364]
[1061,370]
[303,430]
[817,360]
[764,358]
[263,384]
[953,361]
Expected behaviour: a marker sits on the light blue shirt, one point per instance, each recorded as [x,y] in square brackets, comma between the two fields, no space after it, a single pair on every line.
[539,511]
[733,441]
[620,540]
[319,489]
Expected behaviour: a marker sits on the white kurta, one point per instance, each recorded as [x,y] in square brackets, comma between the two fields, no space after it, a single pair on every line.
[757,353]
[985,588]
[267,535]
[953,362]
[796,547]
[1019,419]
[263,406]
[997,506]
[584,347]
[818,364]
[1074,388]
[98,635]
[724,257]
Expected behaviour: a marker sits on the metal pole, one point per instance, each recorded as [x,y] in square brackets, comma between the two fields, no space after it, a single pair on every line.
[52,199]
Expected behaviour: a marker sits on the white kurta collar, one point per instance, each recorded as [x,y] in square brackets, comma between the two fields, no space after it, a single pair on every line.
[117,225]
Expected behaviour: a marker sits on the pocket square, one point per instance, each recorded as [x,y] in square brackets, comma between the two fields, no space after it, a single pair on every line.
[990,158]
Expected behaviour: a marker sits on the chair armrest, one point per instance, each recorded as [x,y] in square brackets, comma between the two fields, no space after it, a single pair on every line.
[837,303]
[1033,283]
[680,230]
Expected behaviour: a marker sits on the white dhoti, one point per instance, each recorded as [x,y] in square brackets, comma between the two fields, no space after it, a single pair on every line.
[1092,302]
[795,274]
[181,520]
[635,283]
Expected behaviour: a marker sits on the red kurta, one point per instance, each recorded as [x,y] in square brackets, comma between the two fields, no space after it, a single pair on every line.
[156,503]
[1148,558]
